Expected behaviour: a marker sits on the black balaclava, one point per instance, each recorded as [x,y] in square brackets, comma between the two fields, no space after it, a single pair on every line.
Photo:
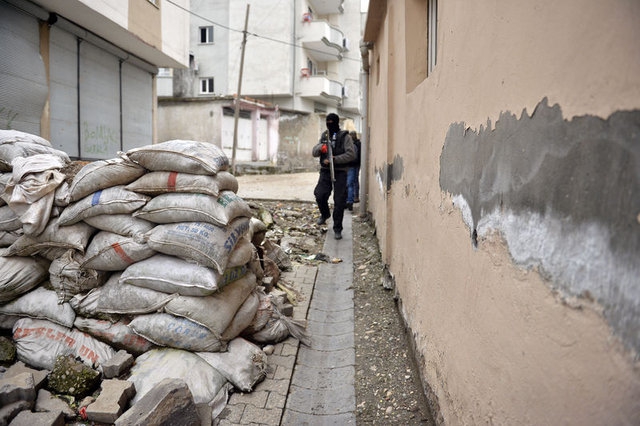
[333,123]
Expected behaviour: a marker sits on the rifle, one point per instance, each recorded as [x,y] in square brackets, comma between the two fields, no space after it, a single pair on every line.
[330,157]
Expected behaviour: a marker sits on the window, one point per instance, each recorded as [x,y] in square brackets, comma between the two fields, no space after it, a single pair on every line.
[433,31]
[206,34]
[206,86]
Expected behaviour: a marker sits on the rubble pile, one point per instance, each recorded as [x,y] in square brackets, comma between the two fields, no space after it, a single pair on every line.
[143,279]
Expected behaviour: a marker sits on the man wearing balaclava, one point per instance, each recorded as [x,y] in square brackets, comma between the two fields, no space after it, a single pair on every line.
[343,152]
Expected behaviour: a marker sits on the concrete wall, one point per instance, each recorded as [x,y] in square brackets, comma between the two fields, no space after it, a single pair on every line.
[505,189]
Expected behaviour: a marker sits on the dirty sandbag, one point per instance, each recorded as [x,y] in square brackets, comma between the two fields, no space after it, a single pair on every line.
[9,221]
[68,278]
[103,174]
[114,252]
[150,368]
[181,207]
[243,363]
[257,231]
[31,191]
[74,237]
[201,242]
[156,183]
[40,342]
[119,298]
[12,136]
[9,237]
[10,151]
[279,327]
[184,156]
[262,315]
[216,311]
[123,224]
[112,200]
[243,317]
[241,253]
[176,332]
[116,334]
[43,304]
[275,253]
[19,275]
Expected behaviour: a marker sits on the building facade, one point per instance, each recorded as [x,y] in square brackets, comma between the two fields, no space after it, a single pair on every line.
[82,73]
[301,58]
[503,178]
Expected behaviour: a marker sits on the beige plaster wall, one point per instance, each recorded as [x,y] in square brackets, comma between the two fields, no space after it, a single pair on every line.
[497,344]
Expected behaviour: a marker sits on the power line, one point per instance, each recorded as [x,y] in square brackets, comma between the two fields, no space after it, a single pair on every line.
[286,43]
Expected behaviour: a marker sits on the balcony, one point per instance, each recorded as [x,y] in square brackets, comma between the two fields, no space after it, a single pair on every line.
[327,7]
[322,41]
[319,88]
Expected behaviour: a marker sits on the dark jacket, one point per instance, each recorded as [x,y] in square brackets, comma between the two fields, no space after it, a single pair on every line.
[344,151]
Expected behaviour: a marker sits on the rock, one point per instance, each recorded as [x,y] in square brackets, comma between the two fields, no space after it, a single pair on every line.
[117,364]
[27,418]
[114,396]
[9,411]
[17,388]
[39,376]
[72,377]
[7,351]
[48,403]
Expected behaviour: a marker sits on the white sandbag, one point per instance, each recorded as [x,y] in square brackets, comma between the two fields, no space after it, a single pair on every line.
[114,252]
[31,191]
[243,317]
[75,237]
[244,364]
[9,221]
[241,254]
[116,334]
[200,158]
[202,242]
[156,183]
[123,224]
[9,151]
[86,304]
[263,313]
[204,381]
[216,311]
[8,321]
[41,303]
[9,237]
[103,174]
[279,327]
[179,207]
[19,275]
[10,136]
[40,342]
[176,332]
[112,200]
[68,278]
[52,253]
[120,298]
[170,274]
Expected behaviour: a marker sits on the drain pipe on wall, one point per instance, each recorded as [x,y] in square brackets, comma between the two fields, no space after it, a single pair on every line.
[364,139]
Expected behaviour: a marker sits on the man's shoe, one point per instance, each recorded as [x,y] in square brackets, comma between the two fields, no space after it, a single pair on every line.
[357,200]
[350,206]
[338,235]
[322,220]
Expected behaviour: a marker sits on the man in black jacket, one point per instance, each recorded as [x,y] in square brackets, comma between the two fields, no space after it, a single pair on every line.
[343,153]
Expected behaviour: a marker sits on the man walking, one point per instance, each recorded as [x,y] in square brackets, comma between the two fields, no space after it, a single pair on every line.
[335,150]
[353,180]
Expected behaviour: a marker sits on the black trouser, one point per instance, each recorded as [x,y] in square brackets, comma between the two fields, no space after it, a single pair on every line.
[323,191]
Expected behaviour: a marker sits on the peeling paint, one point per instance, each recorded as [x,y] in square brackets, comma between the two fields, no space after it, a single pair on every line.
[565,194]
[390,173]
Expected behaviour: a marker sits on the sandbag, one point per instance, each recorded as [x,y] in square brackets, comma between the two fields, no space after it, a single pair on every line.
[11,136]
[241,254]
[204,381]
[68,278]
[9,221]
[120,298]
[176,332]
[123,224]
[54,235]
[41,303]
[19,275]
[200,158]
[156,183]
[202,242]
[103,174]
[170,274]
[216,311]
[179,207]
[243,317]
[116,334]
[114,252]
[9,237]
[278,328]
[113,200]
[9,151]
[40,342]
[244,364]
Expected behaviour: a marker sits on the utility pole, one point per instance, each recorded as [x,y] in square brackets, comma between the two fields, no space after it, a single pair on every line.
[236,114]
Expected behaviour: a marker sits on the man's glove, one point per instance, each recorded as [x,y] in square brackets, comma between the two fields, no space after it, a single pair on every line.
[323,148]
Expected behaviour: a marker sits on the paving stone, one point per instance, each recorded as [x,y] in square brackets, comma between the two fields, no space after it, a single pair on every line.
[287,361]
[282,373]
[113,398]
[275,401]
[117,364]
[292,417]
[39,376]
[257,398]
[321,315]
[17,388]
[317,328]
[339,400]
[261,416]
[47,402]
[339,358]
[233,412]
[27,418]
[333,343]
[9,411]
[279,386]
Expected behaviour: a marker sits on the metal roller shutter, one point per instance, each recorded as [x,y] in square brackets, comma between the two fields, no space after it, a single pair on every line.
[64,91]
[137,107]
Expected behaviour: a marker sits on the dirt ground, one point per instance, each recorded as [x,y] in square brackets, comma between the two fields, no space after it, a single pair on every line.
[388,389]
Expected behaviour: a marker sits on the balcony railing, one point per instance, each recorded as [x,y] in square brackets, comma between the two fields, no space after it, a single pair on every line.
[320,88]
[323,42]
[327,7]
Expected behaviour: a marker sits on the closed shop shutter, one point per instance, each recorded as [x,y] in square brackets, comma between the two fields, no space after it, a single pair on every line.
[64,91]
[23,85]
[137,107]
[100,136]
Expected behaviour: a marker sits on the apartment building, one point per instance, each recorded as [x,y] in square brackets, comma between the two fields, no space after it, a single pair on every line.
[81,73]
[301,62]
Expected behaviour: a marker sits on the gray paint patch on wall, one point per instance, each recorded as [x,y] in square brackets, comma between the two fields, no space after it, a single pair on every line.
[565,195]
[391,172]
